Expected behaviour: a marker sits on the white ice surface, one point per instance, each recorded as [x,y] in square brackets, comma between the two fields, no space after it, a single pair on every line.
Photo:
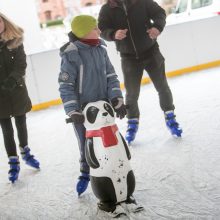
[175,178]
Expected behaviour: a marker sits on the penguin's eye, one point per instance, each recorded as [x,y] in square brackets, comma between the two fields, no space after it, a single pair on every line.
[91,114]
[109,109]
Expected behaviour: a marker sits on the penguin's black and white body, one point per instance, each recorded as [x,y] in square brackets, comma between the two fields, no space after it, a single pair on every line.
[107,154]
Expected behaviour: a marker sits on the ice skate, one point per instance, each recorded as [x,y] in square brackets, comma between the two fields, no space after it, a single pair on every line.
[172,124]
[14,168]
[29,158]
[131,130]
[112,210]
[83,182]
[131,206]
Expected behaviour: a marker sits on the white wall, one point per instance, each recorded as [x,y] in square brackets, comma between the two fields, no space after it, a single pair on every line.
[183,45]
[42,76]
[191,43]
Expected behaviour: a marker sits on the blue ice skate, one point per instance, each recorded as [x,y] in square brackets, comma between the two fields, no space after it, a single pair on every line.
[82,183]
[131,130]
[172,124]
[14,168]
[28,158]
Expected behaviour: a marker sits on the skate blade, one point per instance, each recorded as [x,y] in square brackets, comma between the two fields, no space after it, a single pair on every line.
[104,215]
[176,134]
[117,213]
[129,144]
[34,167]
[12,181]
[132,207]
[179,135]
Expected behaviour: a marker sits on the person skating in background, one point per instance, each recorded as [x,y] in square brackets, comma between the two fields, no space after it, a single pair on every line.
[86,75]
[134,25]
[14,99]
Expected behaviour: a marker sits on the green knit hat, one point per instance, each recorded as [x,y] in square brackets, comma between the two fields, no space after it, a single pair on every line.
[81,25]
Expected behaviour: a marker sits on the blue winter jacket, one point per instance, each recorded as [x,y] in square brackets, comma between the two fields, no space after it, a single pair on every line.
[86,75]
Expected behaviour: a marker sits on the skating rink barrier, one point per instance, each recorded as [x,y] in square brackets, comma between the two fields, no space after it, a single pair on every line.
[187,47]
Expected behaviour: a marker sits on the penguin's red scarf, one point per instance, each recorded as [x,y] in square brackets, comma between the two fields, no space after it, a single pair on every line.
[106,133]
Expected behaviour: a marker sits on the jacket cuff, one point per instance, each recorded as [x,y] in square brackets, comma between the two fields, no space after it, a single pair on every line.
[158,27]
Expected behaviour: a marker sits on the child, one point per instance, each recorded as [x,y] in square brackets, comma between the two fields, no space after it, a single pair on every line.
[14,98]
[87,75]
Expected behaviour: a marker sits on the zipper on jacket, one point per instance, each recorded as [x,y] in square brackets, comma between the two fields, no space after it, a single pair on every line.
[129,27]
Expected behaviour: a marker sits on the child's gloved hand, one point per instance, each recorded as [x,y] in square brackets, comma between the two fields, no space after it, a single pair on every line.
[9,84]
[77,117]
[119,107]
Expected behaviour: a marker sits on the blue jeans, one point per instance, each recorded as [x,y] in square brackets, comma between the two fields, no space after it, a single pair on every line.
[80,132]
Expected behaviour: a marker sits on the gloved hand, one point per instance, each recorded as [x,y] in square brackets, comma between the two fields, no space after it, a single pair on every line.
[9,84]
[77,117]
[119,107]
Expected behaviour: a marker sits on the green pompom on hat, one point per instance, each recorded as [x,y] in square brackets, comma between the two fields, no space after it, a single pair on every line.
[81,25]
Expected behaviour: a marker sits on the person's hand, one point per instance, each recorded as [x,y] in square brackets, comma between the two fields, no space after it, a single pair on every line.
[77,117]
[153,33]
[119,107]
[120,34]
[9,84]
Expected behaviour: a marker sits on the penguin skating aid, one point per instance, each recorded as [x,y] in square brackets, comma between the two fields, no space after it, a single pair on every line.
[107,154]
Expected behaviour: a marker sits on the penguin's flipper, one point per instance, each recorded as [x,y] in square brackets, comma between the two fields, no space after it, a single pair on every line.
[126,147]
[90,155]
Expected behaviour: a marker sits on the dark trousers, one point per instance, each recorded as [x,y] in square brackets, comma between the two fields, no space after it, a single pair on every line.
[80,132]
[133,72]
[8,133]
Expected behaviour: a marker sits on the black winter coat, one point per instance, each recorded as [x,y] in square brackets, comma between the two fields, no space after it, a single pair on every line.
[137,16]
[13,64]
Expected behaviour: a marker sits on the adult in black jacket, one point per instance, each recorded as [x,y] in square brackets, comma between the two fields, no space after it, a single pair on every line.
[14,99]
[134,25]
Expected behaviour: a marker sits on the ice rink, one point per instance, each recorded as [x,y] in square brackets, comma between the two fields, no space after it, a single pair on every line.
[176,179]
